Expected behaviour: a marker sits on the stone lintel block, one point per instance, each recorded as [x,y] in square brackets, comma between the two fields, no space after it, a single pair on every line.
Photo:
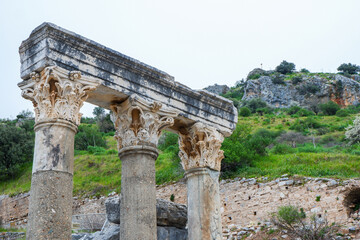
[122,76]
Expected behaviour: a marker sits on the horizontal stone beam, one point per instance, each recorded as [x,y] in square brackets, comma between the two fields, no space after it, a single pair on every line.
[122,76]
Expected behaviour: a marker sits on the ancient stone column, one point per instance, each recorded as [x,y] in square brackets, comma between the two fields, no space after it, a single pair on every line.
[57,95]
[138,125]
[201,157]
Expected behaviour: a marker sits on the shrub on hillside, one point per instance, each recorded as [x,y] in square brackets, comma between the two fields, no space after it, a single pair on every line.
[89,135]
[236,151]
[242,147]
[303,125]
[277,79]
[304,70]
[308,88]
[234,93]
[295,80]
[349,68]
[254,76]
[342,113]
[261,139]
[16,148]
[295,222]
[244,112]
[282,149]
[255,103]
[96,150]
[293,109]
[167,140]
[305,113]
[352,109]
[330,108]
[264,110]
[285,67]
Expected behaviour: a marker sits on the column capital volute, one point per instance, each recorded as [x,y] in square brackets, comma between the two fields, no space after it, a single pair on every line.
[139,121]
[57,93]
[200,147]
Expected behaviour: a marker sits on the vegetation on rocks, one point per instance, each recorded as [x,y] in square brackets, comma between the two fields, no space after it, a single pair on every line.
[298,225]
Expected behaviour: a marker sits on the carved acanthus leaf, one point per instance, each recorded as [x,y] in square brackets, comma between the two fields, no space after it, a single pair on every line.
[140,122]
[57,93]
[200,147]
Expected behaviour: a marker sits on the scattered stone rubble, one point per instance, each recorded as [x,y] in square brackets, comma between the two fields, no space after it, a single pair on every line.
[247,203]
[11,235]
[171,222]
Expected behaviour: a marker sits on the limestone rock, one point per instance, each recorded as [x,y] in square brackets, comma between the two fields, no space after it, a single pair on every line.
[340,89]
[171,233]
[112,206]
[80,236]
[217,89]
[171,214]
[112,232]
[255,71]
[168,213]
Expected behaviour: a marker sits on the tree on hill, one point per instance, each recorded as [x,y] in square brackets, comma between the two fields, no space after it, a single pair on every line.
[330,108]
[349,68]
[16,148]
[285,67]
[103,120]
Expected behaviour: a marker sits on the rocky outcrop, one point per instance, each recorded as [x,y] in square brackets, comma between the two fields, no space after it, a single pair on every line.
[171,221]
[217,89]
[307,91]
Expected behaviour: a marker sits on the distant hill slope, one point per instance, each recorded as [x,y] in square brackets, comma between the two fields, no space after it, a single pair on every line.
[303,90]
[296,89]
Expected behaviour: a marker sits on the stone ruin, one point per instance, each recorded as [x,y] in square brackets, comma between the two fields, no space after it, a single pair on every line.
[60,70]
[171,221]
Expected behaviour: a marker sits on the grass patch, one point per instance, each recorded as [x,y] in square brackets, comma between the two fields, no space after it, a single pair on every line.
[334,165]
[18,184]
[12,229]
[168,167]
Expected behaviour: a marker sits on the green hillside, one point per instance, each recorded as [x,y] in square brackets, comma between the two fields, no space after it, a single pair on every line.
[97,172]
[268,142]
[320,151]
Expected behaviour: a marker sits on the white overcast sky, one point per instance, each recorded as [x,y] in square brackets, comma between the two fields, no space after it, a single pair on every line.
[199,42]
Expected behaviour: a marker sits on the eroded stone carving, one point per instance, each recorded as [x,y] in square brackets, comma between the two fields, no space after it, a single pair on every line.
[138,121]
[57,93]
[200,147]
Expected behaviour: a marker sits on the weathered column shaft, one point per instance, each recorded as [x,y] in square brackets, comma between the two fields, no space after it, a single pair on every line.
[57,96]
[204,221]
[201,158]
[50,209]
[138,193]
[138,125]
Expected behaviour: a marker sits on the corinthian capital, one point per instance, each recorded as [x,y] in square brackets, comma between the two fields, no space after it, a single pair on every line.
[200,147]
[57,93]
[138,121]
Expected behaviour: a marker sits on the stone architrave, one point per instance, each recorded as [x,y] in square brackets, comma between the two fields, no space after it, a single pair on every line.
[57,96]
[138,125]
[201,157]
